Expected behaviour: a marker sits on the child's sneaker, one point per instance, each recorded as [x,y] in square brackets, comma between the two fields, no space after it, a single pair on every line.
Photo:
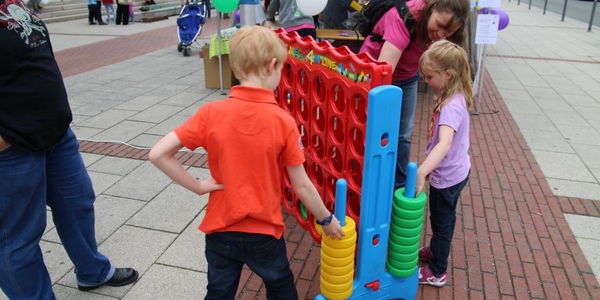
[426,277]
[425,253]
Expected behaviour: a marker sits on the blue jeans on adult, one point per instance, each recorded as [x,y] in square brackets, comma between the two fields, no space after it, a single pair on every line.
[407,120]
[226,253]
[28,182]
[442,215]
[110,8]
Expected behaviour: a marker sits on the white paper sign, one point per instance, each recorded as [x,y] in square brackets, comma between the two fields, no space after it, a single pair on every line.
[487,29]
[489,3]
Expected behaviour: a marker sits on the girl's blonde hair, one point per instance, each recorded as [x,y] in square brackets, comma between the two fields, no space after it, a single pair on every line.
[445,56]
[252,48]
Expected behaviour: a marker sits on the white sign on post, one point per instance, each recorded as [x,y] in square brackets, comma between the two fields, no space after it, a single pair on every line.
[489,3]
[487,29]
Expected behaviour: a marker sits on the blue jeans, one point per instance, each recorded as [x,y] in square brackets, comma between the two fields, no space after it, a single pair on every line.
[28,182]
[407,120]
[442,215]
[109,8]
[226,253]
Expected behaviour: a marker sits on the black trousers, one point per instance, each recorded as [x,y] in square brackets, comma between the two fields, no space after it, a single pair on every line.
[122,14]
[98,11]
[91,12]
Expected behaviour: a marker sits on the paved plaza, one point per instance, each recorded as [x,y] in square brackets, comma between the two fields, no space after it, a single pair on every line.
[529,219]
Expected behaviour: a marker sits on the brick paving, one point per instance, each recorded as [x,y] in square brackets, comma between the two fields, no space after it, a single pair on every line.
[511,239]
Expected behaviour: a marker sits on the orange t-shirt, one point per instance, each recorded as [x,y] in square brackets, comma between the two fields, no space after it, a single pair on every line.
[248,138]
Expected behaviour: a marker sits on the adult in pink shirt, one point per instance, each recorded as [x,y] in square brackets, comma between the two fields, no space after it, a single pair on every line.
[435,20]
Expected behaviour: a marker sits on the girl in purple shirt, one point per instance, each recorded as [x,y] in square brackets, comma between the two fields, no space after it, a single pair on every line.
[435,20]
[445,67]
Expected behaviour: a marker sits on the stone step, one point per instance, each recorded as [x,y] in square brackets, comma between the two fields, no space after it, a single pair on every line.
[66,10]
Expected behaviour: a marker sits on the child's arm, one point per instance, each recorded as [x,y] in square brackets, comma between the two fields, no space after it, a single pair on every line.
[162,156]
[437,154]
[310,197]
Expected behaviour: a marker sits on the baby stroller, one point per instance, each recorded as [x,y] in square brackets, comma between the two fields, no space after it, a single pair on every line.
[189,26]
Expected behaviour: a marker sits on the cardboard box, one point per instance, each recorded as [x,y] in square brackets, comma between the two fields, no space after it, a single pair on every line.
[211,71]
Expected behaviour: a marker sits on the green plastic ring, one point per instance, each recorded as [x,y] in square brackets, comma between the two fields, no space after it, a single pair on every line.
[407,232]
[404,249]
[407,214]
[409,203]
[401,273]
[404,223]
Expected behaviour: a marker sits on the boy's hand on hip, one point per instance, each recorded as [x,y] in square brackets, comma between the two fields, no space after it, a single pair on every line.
[334,229]
[3,144]
[209,185]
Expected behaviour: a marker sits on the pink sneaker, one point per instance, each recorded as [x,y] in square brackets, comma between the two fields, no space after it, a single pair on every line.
[426,277]
[425,254]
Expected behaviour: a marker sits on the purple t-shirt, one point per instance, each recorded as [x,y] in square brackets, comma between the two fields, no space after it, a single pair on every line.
[455,167]
[393,30]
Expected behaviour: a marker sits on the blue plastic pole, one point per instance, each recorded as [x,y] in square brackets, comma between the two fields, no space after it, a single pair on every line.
[340,200]
[411,180]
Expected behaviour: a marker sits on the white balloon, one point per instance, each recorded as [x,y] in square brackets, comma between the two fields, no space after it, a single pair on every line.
[311,7]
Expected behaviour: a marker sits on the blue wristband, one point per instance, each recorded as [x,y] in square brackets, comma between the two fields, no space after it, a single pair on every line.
[325,221]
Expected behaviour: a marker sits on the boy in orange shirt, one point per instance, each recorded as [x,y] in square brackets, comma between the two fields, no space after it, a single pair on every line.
[247,137]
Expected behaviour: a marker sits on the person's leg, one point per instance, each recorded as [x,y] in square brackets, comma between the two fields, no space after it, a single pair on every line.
[107,12]
[71,198]
[407,119]
[23,274]
[99,11]
[266,256]
[225,262]
[119,17]
[125,14]
[114,13]
[307,32]
[208,8]
[442,209]
[91,13]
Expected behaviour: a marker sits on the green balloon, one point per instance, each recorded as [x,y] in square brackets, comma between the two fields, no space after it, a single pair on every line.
[226,6]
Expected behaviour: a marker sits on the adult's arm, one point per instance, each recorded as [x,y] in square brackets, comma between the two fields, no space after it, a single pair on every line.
[390,54]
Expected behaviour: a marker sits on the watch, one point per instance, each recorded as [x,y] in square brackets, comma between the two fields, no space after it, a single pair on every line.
[325,221]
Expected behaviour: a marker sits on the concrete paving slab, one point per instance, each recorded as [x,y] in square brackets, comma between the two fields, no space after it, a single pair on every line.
[169,283]
[156,113]
[141,102]
[172,210]
[107,118]
[124,131]
[84,133]
[68,293]
[187,251]
[56,259]
[551,141]
[95,107]
[563,166]
[587,232]
[145,141]
[89,159]
[143,183]
[112,213]
[579,134]
[129,247]
[568,188]
[115,165]
[169,124]
[103,181]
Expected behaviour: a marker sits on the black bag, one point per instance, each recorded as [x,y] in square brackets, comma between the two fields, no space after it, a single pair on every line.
[374,10]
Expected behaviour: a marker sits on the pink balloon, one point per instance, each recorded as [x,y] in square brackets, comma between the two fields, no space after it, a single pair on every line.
[504,19]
